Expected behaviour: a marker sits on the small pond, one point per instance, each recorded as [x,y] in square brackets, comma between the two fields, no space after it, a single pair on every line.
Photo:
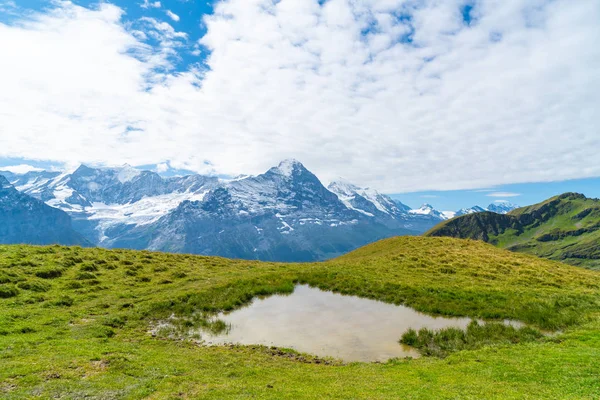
[327,324]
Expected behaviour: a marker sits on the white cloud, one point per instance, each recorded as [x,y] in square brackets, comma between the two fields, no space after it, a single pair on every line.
[503,194]
[172,15]
[150,4]
[20,169]
[513,98]
[162,167]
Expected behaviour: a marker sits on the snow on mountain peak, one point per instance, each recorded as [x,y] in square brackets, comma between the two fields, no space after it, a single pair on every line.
[427,209]
[127,173]
[343,186]
[287,166]
[347,192]
[502,206]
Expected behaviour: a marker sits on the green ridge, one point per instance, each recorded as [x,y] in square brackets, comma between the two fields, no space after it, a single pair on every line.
[74,324]
[564,228]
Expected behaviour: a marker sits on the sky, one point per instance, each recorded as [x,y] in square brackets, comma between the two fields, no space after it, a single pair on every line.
[405,96]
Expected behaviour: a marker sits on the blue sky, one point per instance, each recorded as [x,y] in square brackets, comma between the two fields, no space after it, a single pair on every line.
[417,96]
[520,194]
[187,18]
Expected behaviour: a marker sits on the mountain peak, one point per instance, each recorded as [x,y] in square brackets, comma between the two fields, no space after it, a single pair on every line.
[288,166]
[341,185]
[83,170]
[127,173]
[4,183]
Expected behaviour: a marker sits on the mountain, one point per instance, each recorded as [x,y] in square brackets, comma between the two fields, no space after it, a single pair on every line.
[102,201]
[502,207]
[471,210]
[427,209]
[24,219]
[564,228]
[283,214]
[392,213]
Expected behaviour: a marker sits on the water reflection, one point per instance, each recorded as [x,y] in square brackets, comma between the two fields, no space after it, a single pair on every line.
[327,324]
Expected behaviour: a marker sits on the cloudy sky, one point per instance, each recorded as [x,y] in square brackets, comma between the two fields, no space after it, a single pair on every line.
[401,95]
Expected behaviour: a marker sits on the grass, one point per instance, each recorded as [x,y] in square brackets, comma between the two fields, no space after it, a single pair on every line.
[448,340]
[89,337]
[565,228]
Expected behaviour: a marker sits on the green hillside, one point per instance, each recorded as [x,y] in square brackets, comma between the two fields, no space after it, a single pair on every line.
[564,228]
[74,324]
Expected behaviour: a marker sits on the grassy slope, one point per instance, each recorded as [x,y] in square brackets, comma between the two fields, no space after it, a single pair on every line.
[553,229]
[86,334]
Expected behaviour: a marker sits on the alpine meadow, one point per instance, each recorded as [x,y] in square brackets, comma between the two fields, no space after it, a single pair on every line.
[299,199]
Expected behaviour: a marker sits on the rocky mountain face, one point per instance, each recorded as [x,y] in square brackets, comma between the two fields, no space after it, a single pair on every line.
[24,219]
[284,214]
[565,228]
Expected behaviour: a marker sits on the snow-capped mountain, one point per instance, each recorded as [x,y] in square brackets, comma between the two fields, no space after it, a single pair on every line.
[501,207]
[427,209]
[382,208]
[282,214]
[100,200]
[365,200]
[24,219]
[470,210]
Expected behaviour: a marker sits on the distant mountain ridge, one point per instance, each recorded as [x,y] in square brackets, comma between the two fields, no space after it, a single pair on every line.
[564,228]
[284,214]
[24,219]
